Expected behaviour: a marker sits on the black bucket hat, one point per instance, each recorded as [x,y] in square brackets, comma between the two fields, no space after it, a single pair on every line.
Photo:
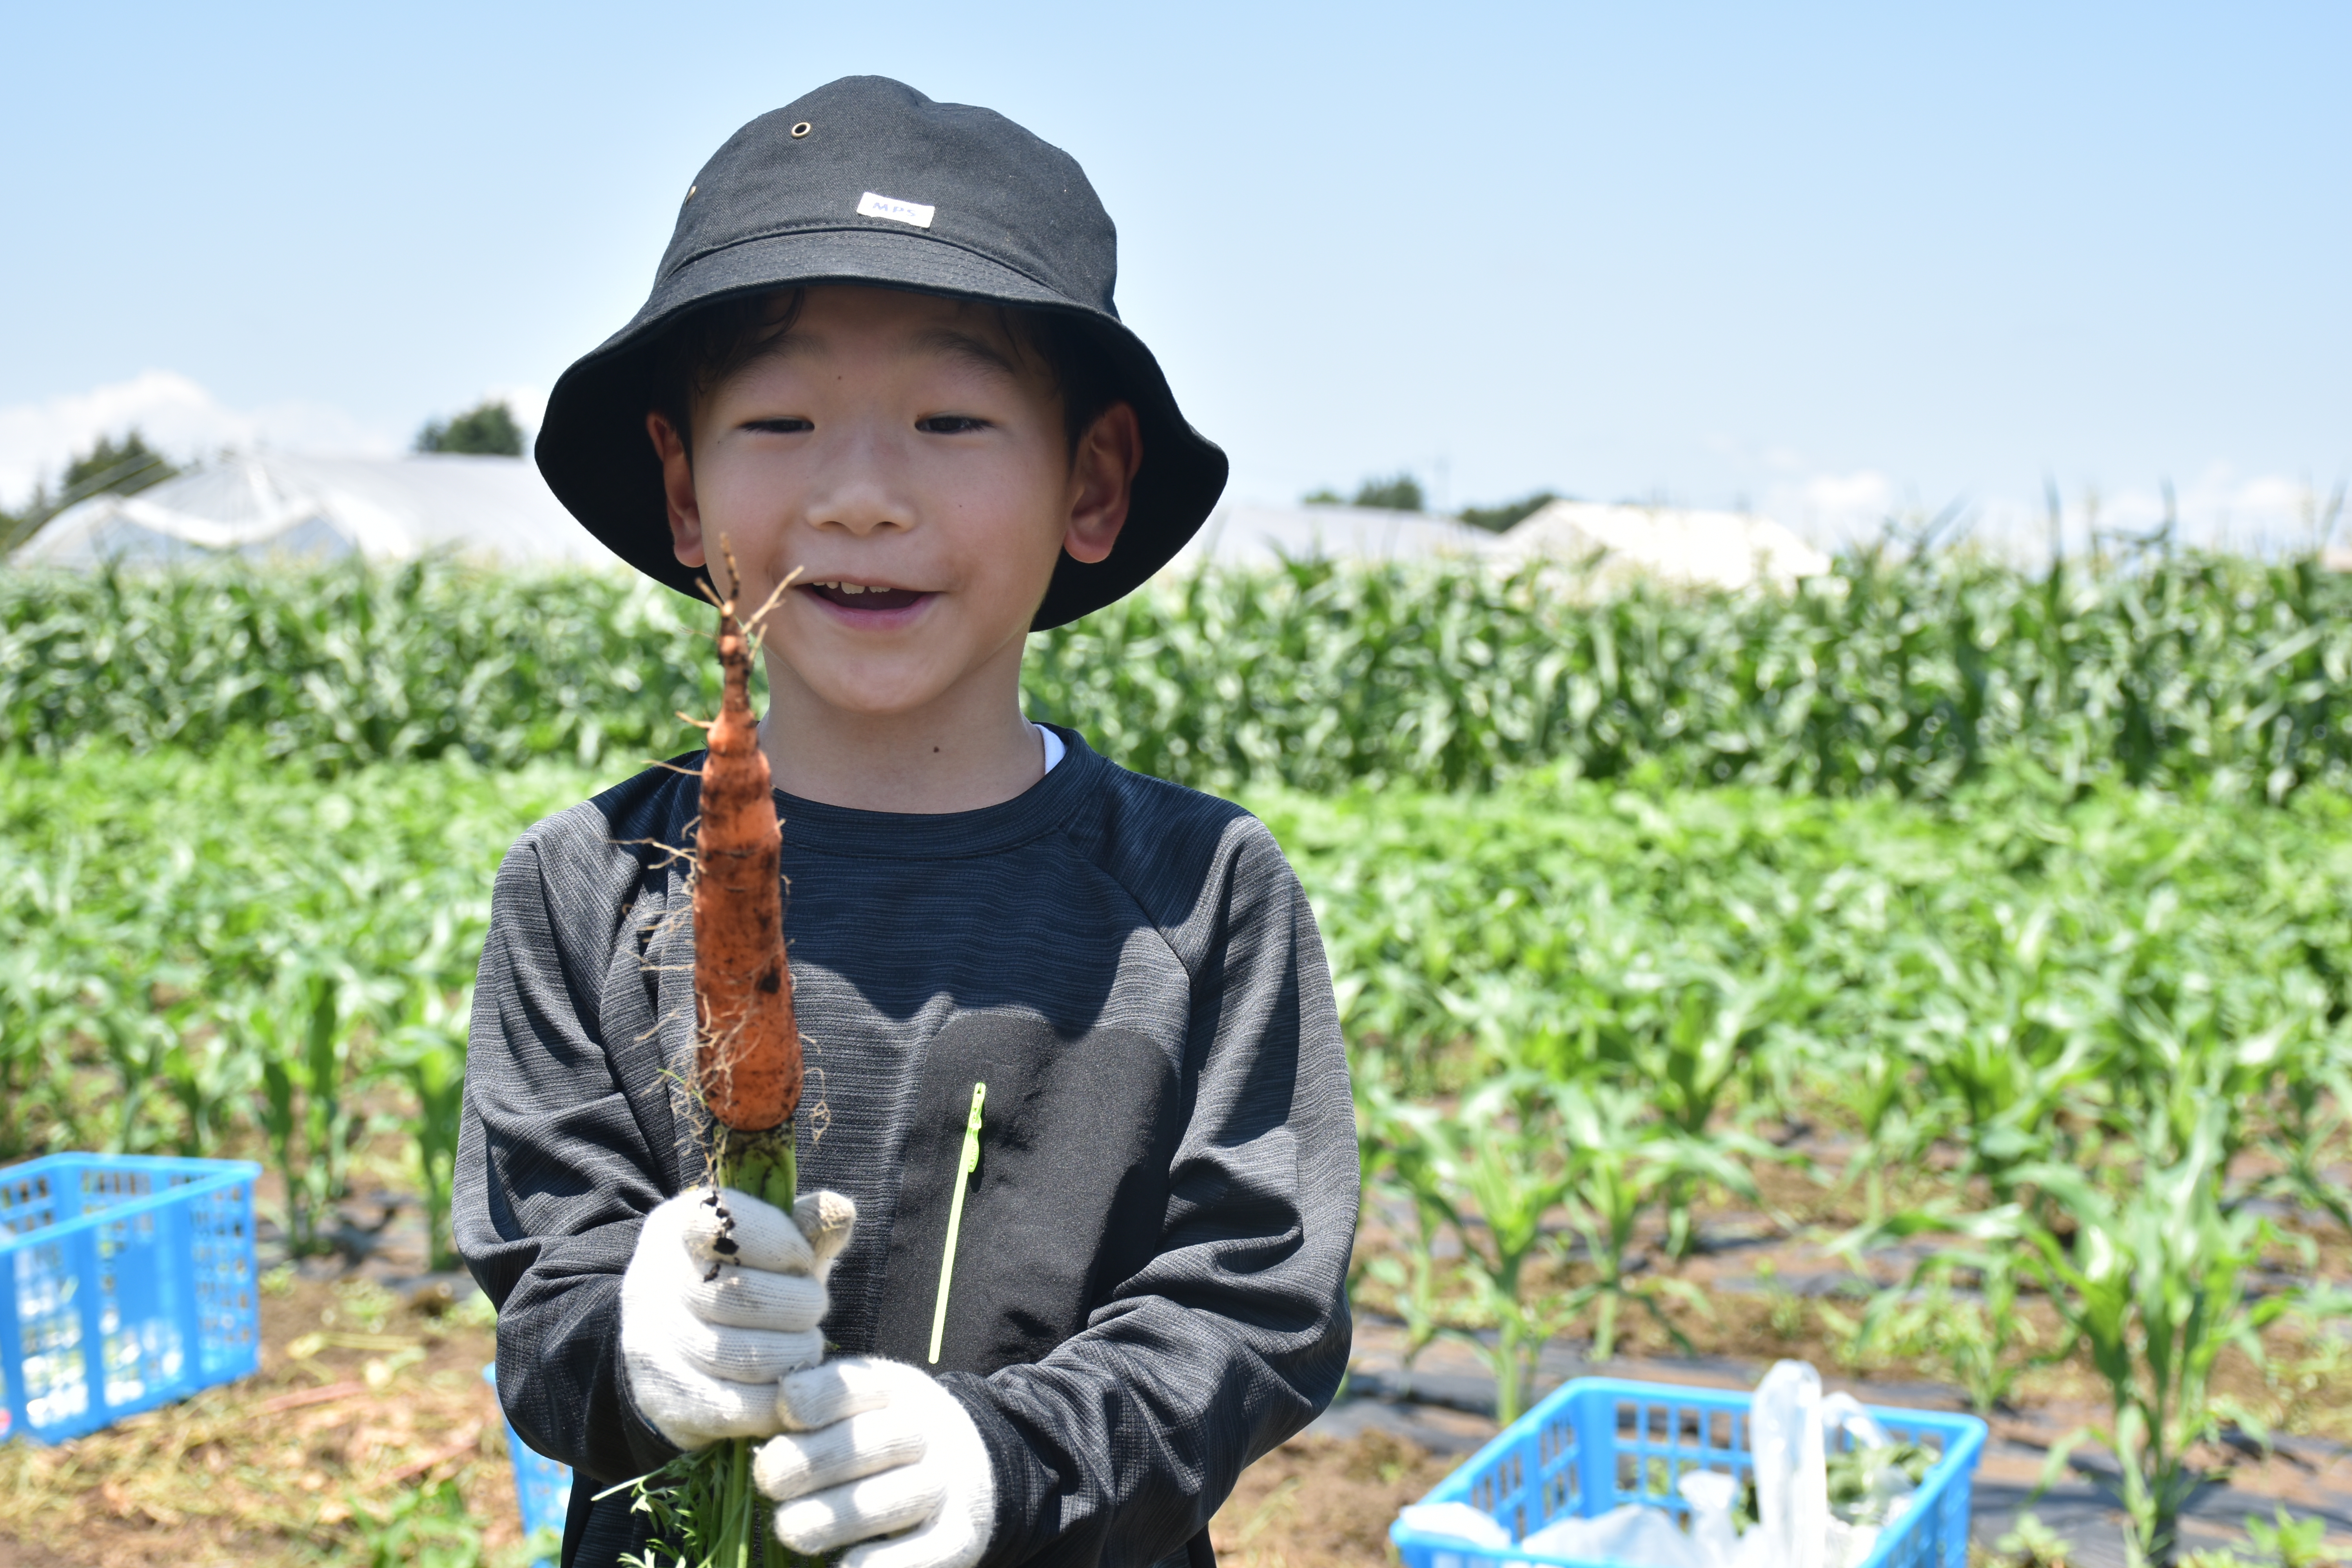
[866,181]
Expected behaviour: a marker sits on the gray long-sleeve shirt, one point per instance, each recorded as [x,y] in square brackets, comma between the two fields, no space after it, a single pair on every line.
[1148,1290]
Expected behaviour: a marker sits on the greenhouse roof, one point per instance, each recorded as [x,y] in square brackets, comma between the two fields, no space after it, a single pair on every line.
[266,505]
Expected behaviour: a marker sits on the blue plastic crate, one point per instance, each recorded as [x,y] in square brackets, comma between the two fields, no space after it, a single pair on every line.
[126,1282]
[1598,1442]
[542,1486]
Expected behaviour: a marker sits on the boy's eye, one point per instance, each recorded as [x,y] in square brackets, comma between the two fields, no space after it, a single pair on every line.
[950,424]
[778,426]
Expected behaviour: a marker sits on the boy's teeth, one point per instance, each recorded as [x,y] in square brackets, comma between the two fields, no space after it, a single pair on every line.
[852,588]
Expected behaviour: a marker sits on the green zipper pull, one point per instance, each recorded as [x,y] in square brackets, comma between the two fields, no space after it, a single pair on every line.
[966,1164]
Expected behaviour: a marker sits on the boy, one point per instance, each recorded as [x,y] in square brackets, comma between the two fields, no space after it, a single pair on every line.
[881,352]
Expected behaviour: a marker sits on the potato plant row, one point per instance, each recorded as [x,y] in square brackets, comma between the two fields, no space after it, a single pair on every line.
[2207,676]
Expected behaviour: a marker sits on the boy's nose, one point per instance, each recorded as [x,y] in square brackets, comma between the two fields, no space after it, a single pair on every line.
[854,488]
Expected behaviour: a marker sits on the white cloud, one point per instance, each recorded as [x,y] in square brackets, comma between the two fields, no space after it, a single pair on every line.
[178,415]
[2219,508]
[2260,514]
[1828,509]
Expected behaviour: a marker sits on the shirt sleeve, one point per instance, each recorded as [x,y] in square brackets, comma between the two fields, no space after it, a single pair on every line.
[556,1167]
[1120,1444]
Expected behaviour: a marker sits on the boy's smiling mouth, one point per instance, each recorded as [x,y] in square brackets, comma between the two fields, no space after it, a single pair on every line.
[864,597]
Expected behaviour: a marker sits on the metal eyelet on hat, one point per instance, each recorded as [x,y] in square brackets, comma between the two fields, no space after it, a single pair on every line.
[801,130]
[690,190]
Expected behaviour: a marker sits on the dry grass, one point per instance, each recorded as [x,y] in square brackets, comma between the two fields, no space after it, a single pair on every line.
[287,1466]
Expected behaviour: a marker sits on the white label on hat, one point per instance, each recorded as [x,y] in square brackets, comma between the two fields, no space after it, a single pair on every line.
[916,213]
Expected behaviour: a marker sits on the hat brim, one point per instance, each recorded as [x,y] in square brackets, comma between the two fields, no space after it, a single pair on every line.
[593,451]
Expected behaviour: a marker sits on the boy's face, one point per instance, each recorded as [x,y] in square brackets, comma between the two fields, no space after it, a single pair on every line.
[912,460]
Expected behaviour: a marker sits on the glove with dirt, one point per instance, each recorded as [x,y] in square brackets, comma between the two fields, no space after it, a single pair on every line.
[723,1297]
[876,1448]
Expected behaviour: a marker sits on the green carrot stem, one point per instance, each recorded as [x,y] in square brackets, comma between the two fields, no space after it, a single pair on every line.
[764,1165]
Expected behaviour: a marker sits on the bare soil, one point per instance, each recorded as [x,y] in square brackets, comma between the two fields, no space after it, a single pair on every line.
[1321,1502]
[362,1400]
[289,1465]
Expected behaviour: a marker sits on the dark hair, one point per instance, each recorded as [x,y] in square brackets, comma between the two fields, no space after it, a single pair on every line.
[707,346]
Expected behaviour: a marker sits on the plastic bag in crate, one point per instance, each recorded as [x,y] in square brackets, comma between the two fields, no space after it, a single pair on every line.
[1593,1446]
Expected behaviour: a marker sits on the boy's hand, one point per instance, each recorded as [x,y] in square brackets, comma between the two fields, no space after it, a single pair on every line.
[723,1297]
[876,1447]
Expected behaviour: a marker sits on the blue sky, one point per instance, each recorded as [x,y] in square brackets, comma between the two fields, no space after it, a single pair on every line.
[1819,260]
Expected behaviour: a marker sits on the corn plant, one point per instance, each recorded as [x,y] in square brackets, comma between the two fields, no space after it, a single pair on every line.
[36,1007]
[1684,1034]
[2308,1128]
[1625,1161]
[427,1051]
[299,1033]
[1919,673]
[1493,1169]
[2007,1065]
[1980,1340]
[2154,1289]
[1396,1155]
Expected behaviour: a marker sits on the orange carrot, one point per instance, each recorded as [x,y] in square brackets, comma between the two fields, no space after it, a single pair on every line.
[747,1052]
[748,1060]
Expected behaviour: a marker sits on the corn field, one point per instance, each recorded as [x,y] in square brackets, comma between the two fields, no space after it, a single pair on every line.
[2201,675]
[2038,889]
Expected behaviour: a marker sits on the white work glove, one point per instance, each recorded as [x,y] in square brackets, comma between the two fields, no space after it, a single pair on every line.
[723,1297]
[878,1448]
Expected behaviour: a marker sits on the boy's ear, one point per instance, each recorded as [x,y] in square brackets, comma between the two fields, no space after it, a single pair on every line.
[1102,483]
[678,490]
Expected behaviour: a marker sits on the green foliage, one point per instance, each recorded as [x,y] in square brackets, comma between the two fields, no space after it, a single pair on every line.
[2212,677]
[200,952]
[1716,947]
[702,1512]
[1979,1338]
[1398,492]
[425,1528]
[2061,992]
[2033,1544]
[2289,1541]
[2153,1285]
[2205,676]
[347,666]
[427,1049]
[125,467]
[1504,515]
[1501,1157]
[487,430]
[297,1033]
